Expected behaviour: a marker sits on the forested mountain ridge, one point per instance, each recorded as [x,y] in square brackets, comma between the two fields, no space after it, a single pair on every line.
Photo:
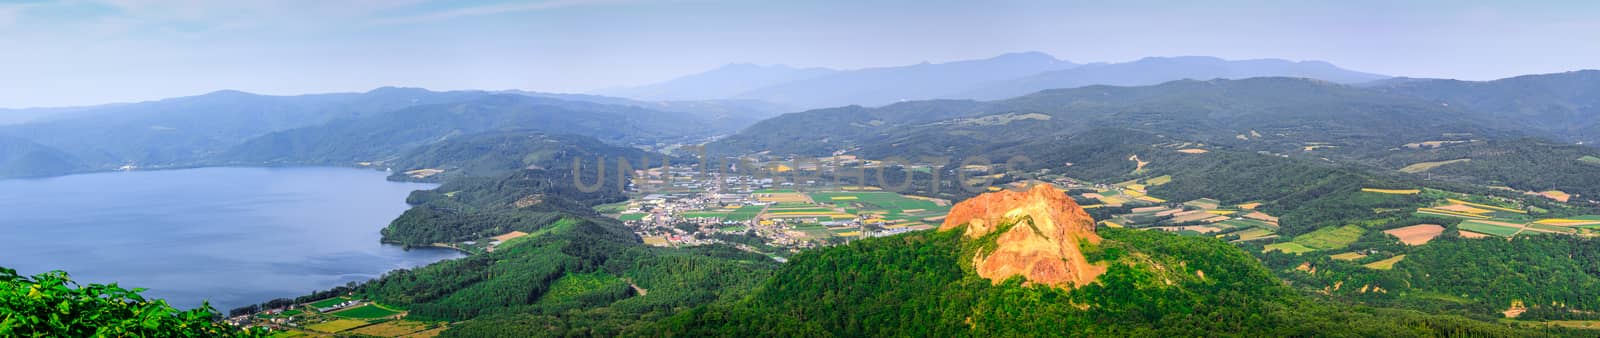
[379,138]
[24,158]
[178,130]
[1562,105]
[500,152]
[1154,284]
[202,130]
[1273,114]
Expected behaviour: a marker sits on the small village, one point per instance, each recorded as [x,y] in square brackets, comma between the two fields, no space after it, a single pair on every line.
[681,206]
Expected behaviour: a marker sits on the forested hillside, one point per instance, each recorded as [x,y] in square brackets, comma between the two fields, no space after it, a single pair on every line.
[1562,105]
[1271,114]
[23,158]
[1158,285]
[501,152]
[384,137]
[181,130]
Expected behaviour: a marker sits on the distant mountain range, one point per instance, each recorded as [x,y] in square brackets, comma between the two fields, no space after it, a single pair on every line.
[999,77]
[724,82]
[240,128]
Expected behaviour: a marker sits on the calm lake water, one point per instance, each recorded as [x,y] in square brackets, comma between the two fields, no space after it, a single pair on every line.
[233,236]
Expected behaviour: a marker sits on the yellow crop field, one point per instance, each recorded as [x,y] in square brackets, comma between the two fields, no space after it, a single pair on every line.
[1568,222]
[1393,191]
[1485,206]
[1556,195]
[1443,212]
[1147,198]
[1221,212]
[336,325]
[845,198]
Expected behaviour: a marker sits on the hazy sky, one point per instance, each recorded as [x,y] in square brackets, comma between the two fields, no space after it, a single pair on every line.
[56,53]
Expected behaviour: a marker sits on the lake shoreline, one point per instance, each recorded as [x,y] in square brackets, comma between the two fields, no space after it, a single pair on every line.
[304,229]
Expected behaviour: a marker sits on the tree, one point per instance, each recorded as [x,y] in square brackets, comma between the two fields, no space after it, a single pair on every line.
[52,305]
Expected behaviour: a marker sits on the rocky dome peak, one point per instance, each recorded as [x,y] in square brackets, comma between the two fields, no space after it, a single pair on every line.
[1042,243]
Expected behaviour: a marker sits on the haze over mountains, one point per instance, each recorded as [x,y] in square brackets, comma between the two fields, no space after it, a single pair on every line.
[998,77]
[1354,110]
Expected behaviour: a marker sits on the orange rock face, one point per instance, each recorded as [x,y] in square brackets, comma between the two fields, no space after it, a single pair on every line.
[1042,246]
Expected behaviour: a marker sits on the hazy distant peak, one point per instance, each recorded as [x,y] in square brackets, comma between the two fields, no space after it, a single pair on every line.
[1156,70]
[227,92]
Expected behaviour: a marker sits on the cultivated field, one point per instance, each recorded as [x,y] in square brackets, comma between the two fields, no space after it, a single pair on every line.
[369,311]
[1385,264]
[1425,166]
[1577,221]
[1393,191]
[336,325]
[1500,229]
[1417,234]
[1348,256]
[1290,247]
[393,328]
[1331,238]
[329,302]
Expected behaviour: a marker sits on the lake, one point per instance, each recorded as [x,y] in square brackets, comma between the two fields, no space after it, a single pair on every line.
[233,236]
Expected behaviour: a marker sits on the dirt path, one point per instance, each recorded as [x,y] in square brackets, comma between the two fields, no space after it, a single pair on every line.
[636,288]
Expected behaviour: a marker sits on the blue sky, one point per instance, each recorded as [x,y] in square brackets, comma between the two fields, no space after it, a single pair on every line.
[75,52]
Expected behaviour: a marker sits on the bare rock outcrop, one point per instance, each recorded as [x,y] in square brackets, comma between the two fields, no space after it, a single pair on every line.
[1042,246]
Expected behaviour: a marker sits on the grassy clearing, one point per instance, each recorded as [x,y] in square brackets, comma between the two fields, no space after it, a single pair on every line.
[1331,238]
[631,217]
[288,334]
[1590,159]
[611,208]
[1488,229]
[1552,228]
[1386,264]
[336,325]
[1425,166]
[329,302]
[1252,234]
[369,311]
[1290,247]
[572,286]
[744,213]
